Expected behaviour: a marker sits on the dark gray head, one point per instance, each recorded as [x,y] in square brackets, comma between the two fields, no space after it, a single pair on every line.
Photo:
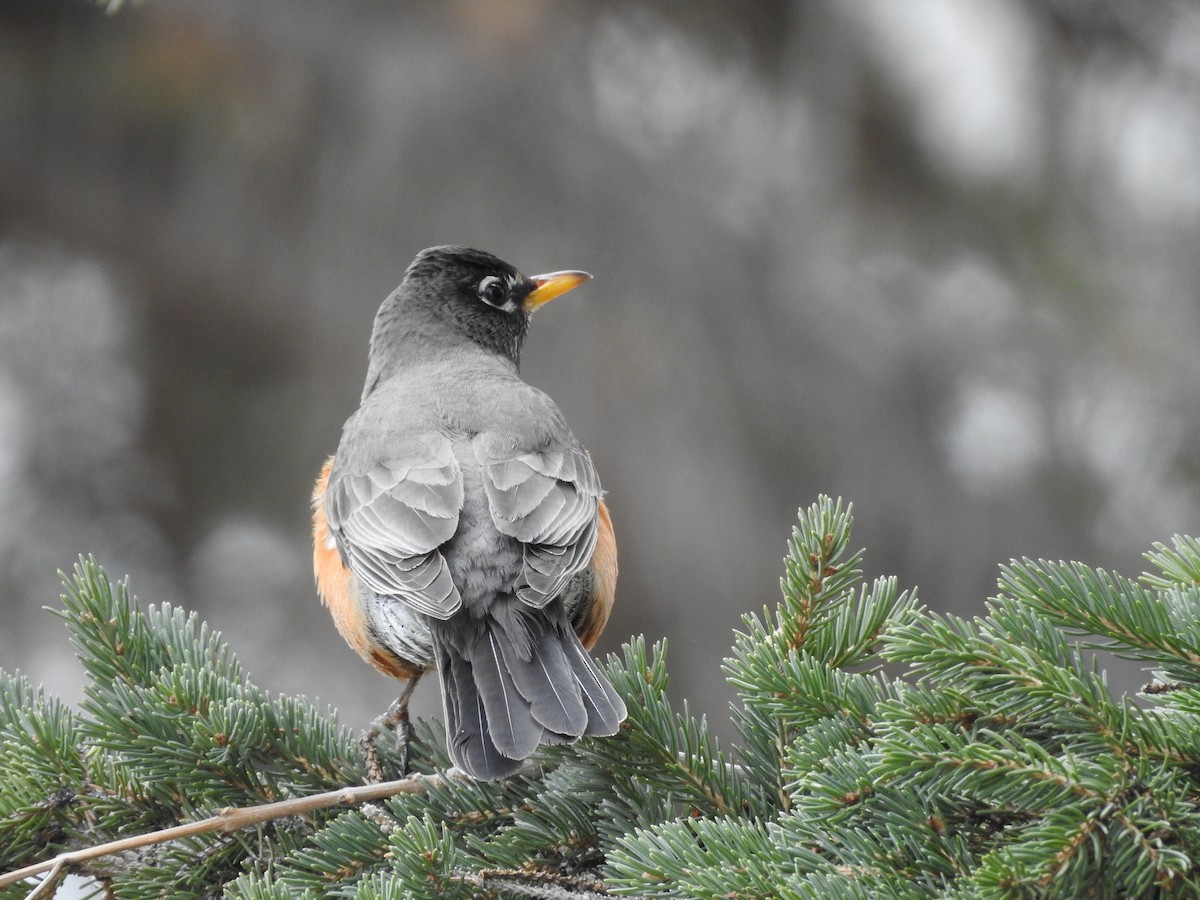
[458,297]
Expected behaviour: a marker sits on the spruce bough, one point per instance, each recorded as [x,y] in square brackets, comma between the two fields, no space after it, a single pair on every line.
[987,759]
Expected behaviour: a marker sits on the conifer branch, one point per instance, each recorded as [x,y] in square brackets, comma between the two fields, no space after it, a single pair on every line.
[229,820]
[990,759]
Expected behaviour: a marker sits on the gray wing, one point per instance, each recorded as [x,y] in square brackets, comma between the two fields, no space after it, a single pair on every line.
[546,499]
[389,518]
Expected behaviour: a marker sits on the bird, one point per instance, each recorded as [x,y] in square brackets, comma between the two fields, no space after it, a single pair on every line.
[460,525]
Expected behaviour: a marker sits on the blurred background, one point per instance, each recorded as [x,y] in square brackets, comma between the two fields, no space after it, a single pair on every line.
[938,257]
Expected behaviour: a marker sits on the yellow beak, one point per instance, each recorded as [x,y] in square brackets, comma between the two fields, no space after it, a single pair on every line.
[551,285]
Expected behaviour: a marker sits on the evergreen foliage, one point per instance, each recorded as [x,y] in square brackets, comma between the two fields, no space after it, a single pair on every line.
[885,751]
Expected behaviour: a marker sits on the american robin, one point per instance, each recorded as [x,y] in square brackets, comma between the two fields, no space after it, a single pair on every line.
[460,526]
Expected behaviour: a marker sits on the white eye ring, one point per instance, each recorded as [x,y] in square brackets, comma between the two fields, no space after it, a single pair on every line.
[493,291]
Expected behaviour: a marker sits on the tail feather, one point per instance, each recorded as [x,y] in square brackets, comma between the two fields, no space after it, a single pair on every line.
[540,670]
[467,733]
[513,728]
[516,678]
[606,709]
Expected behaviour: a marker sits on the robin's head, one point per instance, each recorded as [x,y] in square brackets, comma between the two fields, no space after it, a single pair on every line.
[453,295]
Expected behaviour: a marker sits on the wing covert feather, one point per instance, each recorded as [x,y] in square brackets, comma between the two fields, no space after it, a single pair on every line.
[547,499]
[390,517]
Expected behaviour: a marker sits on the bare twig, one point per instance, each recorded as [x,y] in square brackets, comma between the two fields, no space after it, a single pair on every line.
[227,820]
[46,887]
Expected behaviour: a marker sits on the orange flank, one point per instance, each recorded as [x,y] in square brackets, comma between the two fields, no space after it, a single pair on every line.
[604,588]
[339,591]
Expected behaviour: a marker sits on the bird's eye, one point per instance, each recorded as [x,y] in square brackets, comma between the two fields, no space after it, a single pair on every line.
[493,291]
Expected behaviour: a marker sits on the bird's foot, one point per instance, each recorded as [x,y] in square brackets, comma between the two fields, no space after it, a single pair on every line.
[395,719]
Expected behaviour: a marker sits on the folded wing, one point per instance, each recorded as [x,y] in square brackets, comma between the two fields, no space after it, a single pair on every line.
[547,499]
[390,517]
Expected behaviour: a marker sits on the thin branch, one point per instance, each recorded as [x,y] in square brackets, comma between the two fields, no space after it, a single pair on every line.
[46,887]
[1165,687]
[539,885]
[232,818]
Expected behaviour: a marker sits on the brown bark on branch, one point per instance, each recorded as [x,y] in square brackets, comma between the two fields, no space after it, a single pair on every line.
[226,820]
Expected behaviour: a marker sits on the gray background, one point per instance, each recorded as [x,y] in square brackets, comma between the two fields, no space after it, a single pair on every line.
[939,257]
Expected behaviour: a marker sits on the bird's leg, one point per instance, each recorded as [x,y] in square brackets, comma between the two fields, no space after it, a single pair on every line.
[395,718]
